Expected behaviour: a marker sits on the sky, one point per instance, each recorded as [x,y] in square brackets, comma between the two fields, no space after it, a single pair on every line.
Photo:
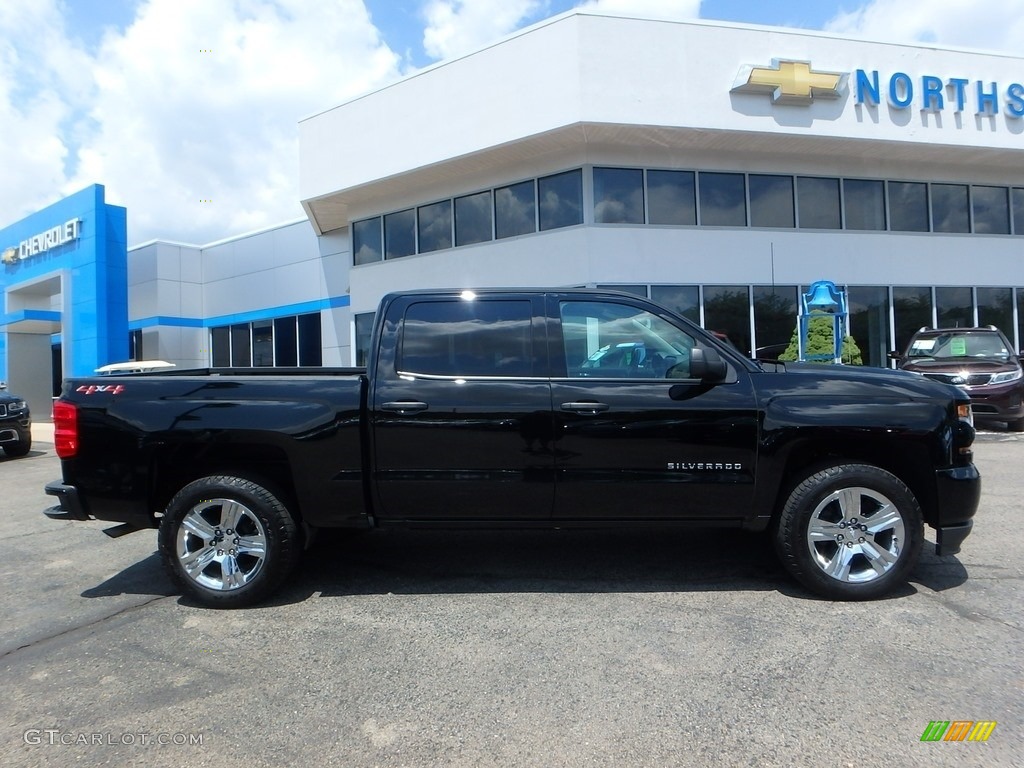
[188,110]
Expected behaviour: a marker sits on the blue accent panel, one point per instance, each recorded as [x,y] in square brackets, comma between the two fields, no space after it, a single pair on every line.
[94,267]
[29,314]
[304,307]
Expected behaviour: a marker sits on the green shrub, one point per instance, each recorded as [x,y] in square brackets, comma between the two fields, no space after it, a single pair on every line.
[819,342]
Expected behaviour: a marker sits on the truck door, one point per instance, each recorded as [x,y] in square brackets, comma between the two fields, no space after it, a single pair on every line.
[636,437]
[461,412]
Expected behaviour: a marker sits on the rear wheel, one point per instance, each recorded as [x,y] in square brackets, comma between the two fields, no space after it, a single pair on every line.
[850,532]
[1017,425]
[227,541]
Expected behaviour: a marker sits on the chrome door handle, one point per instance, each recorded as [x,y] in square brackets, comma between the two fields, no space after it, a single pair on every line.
[585,407]
[403,407]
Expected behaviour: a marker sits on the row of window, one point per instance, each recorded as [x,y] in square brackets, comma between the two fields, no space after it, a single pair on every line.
[283,341]
[691,198]
[760,319]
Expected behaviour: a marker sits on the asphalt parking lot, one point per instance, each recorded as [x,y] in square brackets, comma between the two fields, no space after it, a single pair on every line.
[507,649]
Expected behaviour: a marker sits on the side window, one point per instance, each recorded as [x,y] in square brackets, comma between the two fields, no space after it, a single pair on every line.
[611,340]
[467,338]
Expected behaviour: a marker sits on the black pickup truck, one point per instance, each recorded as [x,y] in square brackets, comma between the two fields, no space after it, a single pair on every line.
[512,408]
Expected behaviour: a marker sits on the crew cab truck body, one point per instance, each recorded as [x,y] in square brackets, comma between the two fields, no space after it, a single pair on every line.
[512,408]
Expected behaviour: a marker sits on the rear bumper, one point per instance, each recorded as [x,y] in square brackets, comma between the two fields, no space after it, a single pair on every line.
[69,506]
[959,491]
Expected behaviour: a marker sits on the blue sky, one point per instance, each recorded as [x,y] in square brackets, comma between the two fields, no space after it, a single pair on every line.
[171,102]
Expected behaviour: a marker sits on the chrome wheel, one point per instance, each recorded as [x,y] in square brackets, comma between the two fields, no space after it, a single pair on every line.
[855,535]
[221,544]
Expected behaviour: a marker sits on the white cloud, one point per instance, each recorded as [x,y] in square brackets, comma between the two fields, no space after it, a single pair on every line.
[967,23]
[455,27]
[165,125]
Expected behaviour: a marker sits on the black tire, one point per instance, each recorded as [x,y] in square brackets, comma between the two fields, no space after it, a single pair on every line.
[1017,425]
[835,537]
[20,448]
[228,542]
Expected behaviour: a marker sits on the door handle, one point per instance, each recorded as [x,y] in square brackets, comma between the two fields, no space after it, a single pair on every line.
[585,407]
[404,407]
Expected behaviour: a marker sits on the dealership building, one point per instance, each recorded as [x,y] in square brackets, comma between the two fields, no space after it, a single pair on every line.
[716,168]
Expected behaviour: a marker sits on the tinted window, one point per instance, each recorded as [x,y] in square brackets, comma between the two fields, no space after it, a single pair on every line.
[515,210]
[636,290]
[864,204]
[263,343]
[310,347]
[771,201]
[869,322]
[560,198]
[908,206]
[954,307]
[467,338]
[682,299]
[241,352]
[618,196]
[610,340]
[727,311]
[991,210]
[671,197]
[364,328]
[775,312]
[949,208]
[818,202]
[435,226]
[995,307]
[722,200]
[912,309]
[473,218]
[366,241]
[220,340]
[400,234]
[286,349]
[1018,210]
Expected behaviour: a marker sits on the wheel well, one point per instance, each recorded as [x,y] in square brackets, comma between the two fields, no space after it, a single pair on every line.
[174,468]
[910,464]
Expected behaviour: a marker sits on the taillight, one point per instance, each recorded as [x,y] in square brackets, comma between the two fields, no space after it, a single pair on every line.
[65,429]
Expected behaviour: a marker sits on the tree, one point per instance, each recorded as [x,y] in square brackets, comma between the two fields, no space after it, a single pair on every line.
[820,341]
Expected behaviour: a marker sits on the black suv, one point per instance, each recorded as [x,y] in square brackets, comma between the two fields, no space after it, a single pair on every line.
[15,424]
[979,361]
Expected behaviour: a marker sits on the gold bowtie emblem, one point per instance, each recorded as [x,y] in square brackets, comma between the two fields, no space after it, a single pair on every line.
[790,82]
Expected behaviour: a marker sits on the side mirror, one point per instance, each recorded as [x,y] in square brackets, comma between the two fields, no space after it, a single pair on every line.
[894,355]
[707,365]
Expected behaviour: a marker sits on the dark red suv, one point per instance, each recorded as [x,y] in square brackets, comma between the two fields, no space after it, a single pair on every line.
[978,360]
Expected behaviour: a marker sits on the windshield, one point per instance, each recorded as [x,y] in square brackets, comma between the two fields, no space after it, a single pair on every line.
[945,346]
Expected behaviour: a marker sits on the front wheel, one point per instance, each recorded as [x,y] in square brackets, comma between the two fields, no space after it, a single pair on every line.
[850,532]
[227,541]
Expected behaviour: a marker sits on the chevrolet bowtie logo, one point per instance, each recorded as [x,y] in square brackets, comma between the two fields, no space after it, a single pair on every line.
[9,256]
[790,82]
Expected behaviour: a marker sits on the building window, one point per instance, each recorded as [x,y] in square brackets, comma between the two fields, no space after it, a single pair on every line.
[560,200]
[515,210]
[460,338]
[771,201]
[636,290]
[364,329]
[671,197]
[263,343]
[1018,210]
[366,241]
[682,299]
[818,202]
[995,307]
[908,206]
[954,307]
[722,200]
[400,234]
[435,226]
[727,311]
[135,345]
[775,312]
[473,218]
[868,306]
[991,210]
[286,344]
[281,342]
[864,204]
[950,211]
[911,309]
[618,196]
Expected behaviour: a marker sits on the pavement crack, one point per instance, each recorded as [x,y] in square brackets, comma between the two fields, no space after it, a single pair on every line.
[87,626]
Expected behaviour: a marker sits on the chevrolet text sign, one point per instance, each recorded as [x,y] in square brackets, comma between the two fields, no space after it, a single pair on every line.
[51,238]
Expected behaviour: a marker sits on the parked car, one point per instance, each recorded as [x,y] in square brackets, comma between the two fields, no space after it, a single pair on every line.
[15,424]
[496,408]
[978,360]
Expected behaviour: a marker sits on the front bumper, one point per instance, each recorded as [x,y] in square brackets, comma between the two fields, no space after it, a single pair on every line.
[958,494]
